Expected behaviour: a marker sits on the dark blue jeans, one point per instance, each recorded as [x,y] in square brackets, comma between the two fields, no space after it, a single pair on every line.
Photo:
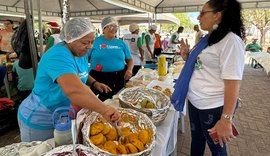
[200,122]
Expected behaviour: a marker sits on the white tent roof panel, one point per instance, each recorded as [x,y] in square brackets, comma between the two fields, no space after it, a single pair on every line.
[196,5]
[97,9]
[162,6]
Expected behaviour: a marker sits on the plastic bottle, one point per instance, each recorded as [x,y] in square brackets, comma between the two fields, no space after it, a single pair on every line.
[162,65]
[62,126]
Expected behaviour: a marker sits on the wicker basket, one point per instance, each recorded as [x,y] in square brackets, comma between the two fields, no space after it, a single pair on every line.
[138,122]
[162,101]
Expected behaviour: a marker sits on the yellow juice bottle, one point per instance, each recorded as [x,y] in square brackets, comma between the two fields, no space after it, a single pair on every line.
[162,65]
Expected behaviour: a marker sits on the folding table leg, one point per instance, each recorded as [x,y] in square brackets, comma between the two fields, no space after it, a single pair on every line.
[7,86]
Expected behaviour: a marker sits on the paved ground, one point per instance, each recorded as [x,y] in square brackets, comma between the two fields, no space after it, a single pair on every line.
[252,120]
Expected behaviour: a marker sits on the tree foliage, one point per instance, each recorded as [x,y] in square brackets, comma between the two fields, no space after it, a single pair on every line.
[260,18]
[184,21]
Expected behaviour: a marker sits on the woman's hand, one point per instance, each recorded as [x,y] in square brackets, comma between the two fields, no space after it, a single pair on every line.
[184,48]
[128,74]
[102,87]
[224,131]
[110,113]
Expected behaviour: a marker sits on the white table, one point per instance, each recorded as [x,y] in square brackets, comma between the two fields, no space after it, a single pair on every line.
[263,58]
[166,139]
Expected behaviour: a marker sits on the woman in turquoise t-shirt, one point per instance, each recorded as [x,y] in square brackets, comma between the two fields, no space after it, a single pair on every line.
[60,81]
[111,61]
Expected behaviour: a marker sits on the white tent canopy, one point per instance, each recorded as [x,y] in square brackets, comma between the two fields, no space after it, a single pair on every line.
[96,10]
[99,8]
[171,6]
[143,18]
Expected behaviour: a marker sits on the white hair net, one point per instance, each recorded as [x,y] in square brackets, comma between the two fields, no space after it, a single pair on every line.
[107,21]
[153,27]
[133,27]
[75,29]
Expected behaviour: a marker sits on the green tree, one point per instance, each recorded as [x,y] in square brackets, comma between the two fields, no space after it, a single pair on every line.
[184,21]
[260,18]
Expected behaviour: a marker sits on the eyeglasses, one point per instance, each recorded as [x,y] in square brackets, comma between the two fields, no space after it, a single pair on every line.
[112,27]
[204,12]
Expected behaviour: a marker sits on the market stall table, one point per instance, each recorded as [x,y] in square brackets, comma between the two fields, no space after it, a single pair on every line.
[263,58]
[166,134]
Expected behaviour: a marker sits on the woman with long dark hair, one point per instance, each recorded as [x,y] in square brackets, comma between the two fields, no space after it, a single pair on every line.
[211,76]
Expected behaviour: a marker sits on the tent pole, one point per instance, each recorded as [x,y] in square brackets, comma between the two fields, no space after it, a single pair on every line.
[66,11]
[148,20]
[30,31]
[32,11]
[40,29]
[155,15]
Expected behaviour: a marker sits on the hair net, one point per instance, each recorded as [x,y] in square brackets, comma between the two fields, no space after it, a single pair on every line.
[133,27]
[75,29]
[153,27]
[107,21]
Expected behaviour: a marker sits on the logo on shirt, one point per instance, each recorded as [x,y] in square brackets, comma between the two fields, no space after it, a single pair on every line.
[198,64]
[104,46]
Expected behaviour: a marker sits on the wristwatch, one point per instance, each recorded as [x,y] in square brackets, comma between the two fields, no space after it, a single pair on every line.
[227,117]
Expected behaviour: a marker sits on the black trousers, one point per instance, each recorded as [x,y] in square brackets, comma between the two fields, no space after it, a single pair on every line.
[157,52]
[115,80]
[24,94]
[135,70]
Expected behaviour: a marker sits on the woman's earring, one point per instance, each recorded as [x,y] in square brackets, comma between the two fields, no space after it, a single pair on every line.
[215,26]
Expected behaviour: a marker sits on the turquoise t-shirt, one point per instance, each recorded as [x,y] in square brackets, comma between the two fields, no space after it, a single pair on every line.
[36,110]
[109,54]
[26,77]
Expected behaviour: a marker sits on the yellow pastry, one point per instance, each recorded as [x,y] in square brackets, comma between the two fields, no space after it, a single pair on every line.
[133,136]
[144,136]
[122,149]
[97,139]
[126,131]
[131,148]
[138,144]
[106,129]
[112,135]
[96,128]
[109,145]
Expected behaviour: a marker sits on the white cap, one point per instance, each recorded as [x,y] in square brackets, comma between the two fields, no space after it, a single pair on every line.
[107,21]
[153,27]
[133,27]
[75,29]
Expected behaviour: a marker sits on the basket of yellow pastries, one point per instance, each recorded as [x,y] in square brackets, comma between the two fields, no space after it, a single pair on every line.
[138,130]
[151,102]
